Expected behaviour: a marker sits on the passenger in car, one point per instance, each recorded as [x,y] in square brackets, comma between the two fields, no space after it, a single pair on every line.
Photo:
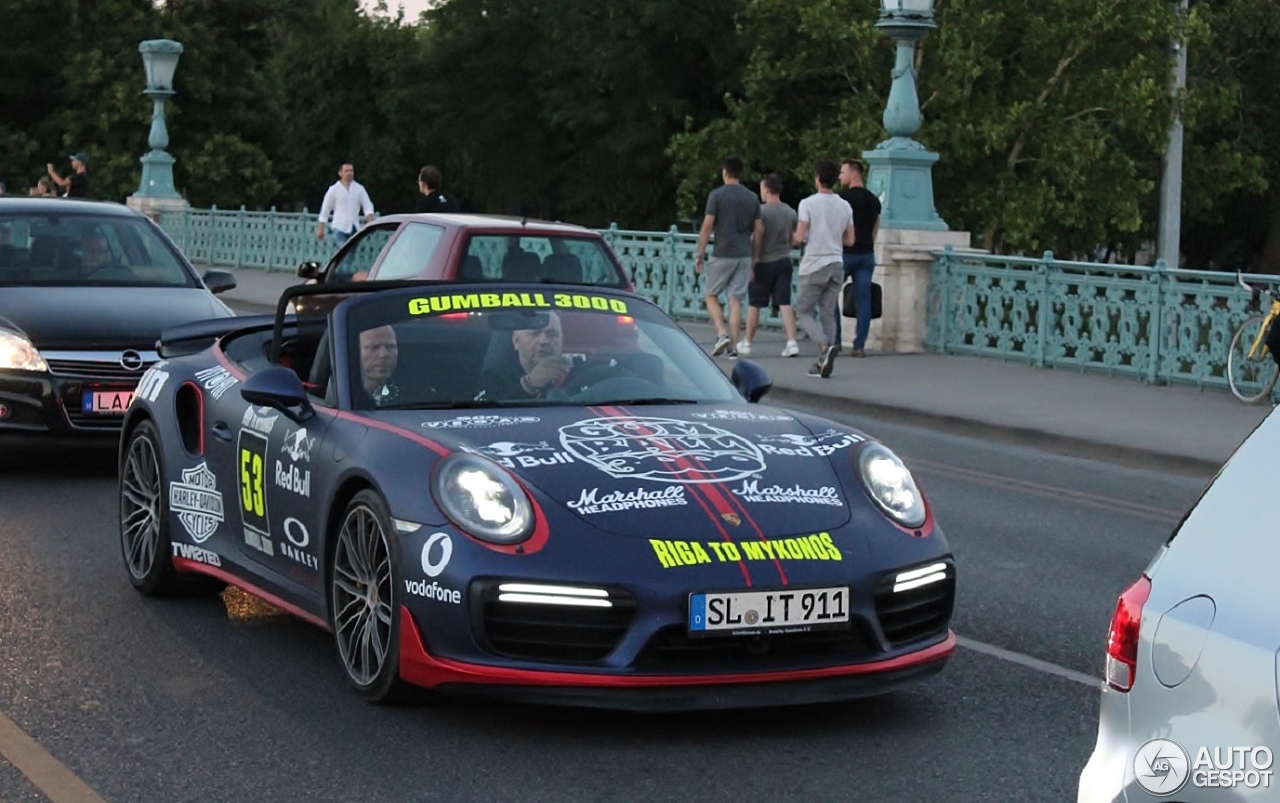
[379,356]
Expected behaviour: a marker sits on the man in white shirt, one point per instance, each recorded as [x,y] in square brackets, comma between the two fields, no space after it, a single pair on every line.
[826,225]
[345,200]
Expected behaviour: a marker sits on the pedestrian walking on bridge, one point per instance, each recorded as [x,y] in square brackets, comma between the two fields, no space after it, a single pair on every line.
[859,258]
[733,215]
[771,266]
[825,227]
[345,199]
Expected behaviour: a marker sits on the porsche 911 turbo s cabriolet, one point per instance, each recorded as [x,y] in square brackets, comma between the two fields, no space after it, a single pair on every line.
[426,472]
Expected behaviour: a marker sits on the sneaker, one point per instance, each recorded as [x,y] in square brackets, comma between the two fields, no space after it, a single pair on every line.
[722,344]
[791,350]
[731,355]
[816,369]
[858,353]
[744,348]
[826,362]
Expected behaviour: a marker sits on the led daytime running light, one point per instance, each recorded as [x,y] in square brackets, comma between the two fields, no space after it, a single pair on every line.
[554,595]
[916,578]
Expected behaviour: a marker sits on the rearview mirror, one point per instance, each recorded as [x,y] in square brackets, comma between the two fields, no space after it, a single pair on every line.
[517,320]
[280,389]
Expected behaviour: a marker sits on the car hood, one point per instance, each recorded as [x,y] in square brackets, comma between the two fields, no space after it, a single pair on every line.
[92,318]
[628,470]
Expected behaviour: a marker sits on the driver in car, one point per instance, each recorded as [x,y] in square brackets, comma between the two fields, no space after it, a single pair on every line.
[95,258]
[540,368]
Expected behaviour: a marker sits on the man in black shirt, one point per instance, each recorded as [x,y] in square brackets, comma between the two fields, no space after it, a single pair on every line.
[77,184]
[433,200]
[860,258]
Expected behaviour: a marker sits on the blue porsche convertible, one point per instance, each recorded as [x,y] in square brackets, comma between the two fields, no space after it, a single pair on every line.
[541,492]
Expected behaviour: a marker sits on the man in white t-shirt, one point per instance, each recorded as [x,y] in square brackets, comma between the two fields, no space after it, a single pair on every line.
[825,228]
[345,200]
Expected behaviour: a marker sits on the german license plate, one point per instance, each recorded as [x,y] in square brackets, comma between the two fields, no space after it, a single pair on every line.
[792,609]
[107,402]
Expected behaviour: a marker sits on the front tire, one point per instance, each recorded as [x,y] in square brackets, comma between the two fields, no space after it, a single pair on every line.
[364,600]
[1250,379]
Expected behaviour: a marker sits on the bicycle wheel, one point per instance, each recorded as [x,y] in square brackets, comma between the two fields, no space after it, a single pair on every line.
[1250,378]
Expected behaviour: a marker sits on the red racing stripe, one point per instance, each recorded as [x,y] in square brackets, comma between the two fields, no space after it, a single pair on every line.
[710,505]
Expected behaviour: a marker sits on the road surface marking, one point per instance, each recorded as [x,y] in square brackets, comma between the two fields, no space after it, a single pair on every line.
[1165,515]
[44,771]
[1028,661]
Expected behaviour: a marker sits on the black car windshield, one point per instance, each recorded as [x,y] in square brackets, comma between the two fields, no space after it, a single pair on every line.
[469,347]
[52,249]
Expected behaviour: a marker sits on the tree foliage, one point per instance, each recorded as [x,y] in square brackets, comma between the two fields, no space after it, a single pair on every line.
[1051,116]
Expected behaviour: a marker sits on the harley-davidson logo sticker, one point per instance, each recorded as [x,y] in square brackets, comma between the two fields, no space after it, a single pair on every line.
[197,502]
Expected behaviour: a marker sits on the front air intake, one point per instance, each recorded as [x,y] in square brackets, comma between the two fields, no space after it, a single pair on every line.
[916,603]
[549,622]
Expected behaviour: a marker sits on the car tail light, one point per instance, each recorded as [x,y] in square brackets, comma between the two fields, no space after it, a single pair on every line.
[1122,640]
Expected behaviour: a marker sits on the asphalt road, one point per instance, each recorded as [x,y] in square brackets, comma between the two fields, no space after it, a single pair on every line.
[224,699]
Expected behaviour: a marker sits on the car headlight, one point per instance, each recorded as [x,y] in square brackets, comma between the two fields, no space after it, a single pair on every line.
[17,353]
[890,484]
[482,499]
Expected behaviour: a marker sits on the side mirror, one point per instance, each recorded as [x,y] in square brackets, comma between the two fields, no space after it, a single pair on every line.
[308,270]
[278,388]
[218,281]
[750,380]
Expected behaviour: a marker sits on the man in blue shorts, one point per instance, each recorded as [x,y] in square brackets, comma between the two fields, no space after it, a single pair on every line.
[771,268]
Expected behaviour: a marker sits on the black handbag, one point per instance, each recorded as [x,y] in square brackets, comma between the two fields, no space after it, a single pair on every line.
[850,301]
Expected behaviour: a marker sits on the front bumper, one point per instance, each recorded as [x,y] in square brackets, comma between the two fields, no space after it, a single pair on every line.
[50,405]
[666,692]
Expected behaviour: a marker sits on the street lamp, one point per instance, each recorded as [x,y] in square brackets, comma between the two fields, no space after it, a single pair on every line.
[160,59]
[900,167]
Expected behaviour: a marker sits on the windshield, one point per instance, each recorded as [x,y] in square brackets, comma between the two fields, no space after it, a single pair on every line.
[52,249]
[462,348]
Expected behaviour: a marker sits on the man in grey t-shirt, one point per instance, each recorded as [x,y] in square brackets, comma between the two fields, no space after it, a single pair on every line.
[771,269]
[733,214]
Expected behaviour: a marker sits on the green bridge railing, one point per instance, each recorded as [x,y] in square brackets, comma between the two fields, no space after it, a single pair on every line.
[1157,324]
[1161,325]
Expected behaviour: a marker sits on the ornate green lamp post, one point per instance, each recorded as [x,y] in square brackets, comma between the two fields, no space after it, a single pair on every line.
[900,167]
[160,58]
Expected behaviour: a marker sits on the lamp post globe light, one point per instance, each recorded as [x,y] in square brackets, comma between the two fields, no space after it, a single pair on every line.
[899,168]
[160,59]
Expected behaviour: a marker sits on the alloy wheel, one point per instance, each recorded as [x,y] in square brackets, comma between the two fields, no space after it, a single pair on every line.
[140,507]
[362,595]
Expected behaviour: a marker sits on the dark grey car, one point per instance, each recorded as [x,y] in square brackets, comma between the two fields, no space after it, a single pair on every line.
[85,290]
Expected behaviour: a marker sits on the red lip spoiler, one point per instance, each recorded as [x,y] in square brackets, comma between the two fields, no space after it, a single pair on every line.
[419,667]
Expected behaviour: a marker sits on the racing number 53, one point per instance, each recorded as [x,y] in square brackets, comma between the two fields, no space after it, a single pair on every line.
[253,480]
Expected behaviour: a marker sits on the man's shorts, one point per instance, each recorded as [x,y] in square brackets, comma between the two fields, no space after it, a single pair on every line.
[771,286]
[728,274]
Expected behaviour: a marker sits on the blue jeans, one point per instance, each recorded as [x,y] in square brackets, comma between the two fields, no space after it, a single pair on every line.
[339,237]
[859,267]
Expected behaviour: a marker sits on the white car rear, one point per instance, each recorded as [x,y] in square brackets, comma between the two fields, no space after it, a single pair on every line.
[1194,651]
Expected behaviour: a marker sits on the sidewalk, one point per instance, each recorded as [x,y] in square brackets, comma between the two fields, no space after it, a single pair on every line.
[1091,415]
